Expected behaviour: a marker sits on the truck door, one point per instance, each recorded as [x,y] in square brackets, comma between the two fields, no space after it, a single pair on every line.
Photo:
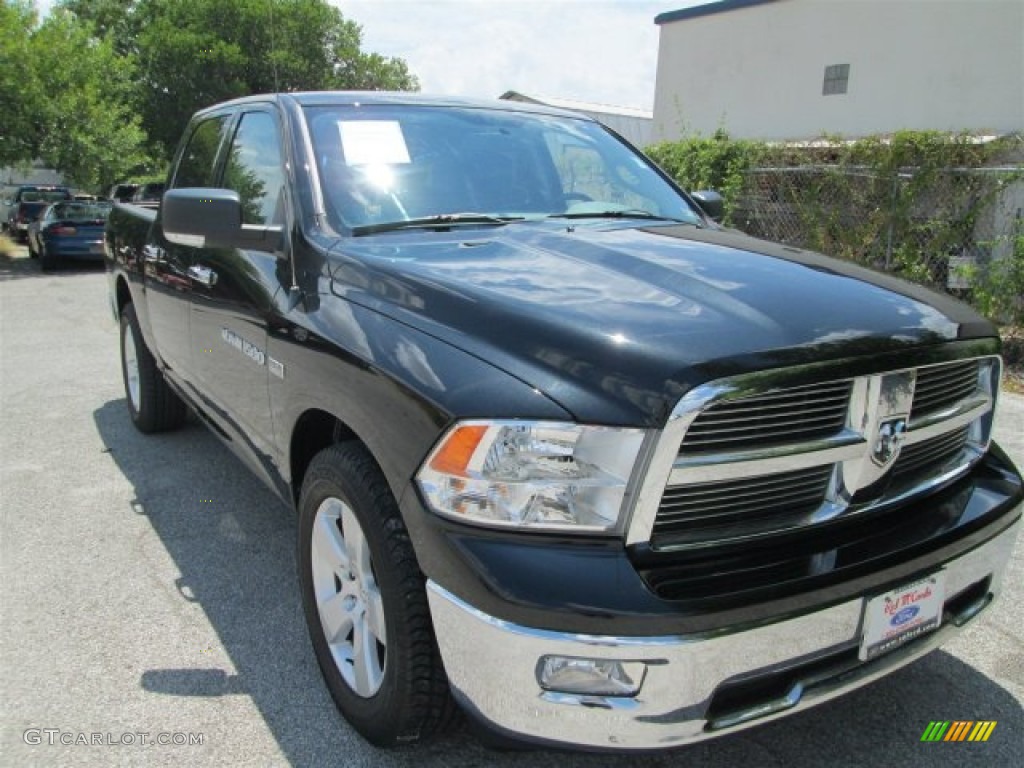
[233,290]
[166,265]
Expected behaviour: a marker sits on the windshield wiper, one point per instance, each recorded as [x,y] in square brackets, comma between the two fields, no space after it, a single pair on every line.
[629,213]
[440,222]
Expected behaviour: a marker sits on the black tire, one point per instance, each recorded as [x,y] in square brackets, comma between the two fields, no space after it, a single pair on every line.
[47,261]
[152,404]
[412,701]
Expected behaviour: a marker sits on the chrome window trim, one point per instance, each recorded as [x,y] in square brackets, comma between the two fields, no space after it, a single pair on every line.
[874,399]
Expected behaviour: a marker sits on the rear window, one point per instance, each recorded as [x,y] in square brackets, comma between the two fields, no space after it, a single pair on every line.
[51,195]
[80,212]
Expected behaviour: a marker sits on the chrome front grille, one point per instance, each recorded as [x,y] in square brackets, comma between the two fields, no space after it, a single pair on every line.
[776,417]
[755,457]
[716,509]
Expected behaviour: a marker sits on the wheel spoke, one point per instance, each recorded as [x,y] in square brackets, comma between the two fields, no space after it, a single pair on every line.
[365,663]
[328,545]
[336,618]
[375,614]
[131,366]
[356,547]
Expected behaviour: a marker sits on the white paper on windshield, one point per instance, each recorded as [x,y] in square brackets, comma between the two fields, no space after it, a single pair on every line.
[373,142]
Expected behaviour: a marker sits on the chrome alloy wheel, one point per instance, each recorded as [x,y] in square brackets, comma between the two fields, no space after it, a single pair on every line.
[131,367]
[348,597]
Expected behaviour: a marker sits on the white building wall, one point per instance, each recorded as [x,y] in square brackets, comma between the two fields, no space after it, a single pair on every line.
[757,72]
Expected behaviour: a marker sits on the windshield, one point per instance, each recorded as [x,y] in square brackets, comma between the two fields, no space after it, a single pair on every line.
[388,164]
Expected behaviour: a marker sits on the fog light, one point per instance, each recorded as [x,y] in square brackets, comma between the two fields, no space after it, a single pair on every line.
[595,677]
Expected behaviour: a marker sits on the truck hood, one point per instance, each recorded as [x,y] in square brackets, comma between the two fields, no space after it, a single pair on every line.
[617,323]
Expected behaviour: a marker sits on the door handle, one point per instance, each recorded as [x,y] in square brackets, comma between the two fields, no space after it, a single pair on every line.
[203,275]
[152,253]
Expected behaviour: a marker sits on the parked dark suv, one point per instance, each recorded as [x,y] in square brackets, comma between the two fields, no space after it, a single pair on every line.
[122,193]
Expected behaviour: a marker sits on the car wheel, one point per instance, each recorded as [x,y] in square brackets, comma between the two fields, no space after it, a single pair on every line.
[365,602]
[152,404]
[47,261]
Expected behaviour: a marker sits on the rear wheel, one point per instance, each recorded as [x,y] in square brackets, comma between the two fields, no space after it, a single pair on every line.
[365,602]
[152,404]
[47,261]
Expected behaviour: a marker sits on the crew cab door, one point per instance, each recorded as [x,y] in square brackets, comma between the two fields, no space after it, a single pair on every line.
[166,265]
[233,290]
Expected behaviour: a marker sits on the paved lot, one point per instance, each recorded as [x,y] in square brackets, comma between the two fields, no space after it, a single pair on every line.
[148,587]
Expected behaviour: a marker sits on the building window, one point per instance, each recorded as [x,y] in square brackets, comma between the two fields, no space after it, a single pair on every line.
[836,78]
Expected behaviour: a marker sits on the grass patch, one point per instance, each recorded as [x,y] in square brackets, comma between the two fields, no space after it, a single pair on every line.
[7,248]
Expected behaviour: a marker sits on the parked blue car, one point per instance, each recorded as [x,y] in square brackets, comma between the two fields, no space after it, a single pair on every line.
[68,230]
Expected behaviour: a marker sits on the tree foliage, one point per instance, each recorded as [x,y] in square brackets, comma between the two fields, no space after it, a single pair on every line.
[102,89]
[66,99]
[194,53]
[19,95]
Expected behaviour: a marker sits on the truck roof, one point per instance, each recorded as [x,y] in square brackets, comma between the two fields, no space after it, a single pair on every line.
[335,98]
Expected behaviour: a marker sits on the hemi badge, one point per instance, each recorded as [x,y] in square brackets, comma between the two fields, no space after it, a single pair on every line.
[276,367]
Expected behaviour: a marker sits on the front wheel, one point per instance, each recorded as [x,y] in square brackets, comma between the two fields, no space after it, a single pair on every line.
[365,602]
[152,404]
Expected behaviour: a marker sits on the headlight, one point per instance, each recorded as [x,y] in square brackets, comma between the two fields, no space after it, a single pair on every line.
[543,475]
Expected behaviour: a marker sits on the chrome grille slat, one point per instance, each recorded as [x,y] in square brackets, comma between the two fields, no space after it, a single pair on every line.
[766,484]
[728,509]
[940,386]
[930,454]
[799,413]
[727,502]
[784,416]
[828,420]
[828,401]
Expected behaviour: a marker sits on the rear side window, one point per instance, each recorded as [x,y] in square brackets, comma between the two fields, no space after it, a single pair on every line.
[196,167]
[254,169]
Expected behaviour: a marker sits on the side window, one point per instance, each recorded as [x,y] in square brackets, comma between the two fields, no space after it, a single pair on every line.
[195,169]
[255,169]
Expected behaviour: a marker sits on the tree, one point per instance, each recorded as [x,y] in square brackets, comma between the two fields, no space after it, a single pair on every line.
[113,19]
[87,128]
[65,96]
[19,94]
[194,53]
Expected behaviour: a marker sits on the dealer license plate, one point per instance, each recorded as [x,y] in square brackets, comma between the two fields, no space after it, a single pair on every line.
[96,248]
[902,614]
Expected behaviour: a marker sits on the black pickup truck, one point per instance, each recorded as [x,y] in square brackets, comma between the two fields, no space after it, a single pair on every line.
[564,452]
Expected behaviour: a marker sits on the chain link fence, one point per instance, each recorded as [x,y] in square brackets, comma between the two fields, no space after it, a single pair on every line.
[945,228]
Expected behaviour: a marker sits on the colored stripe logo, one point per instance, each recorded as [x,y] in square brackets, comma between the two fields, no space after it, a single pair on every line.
[958,730]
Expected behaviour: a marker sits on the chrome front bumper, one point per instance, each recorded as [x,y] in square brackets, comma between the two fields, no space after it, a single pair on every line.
[492,666]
